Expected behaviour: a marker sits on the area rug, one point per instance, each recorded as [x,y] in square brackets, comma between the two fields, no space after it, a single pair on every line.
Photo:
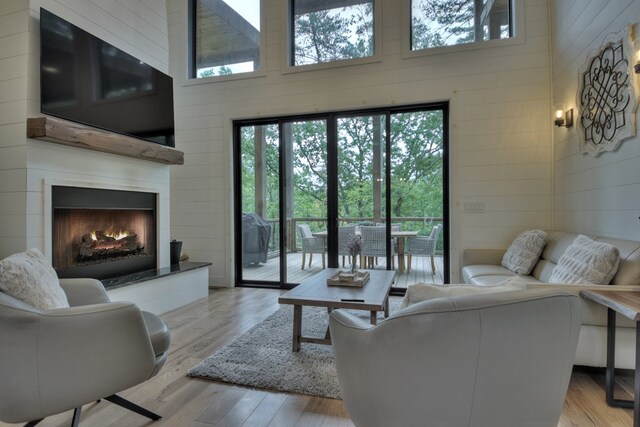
[262,356]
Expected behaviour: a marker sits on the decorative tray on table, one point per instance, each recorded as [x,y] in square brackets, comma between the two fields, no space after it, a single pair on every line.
[344,278]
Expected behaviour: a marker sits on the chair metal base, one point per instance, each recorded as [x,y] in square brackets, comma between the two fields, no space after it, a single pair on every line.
[127,404]
[115,399]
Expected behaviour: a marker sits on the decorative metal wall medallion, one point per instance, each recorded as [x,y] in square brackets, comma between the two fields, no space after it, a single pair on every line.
[606,96]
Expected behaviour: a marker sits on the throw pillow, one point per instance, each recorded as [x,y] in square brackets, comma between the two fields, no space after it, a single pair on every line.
[29,277]
[423,291]
[586,261]
[524,252]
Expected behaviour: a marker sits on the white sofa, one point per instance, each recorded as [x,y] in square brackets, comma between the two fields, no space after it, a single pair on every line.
[482,267]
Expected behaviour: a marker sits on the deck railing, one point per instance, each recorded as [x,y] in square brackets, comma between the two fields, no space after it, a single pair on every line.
[421,224]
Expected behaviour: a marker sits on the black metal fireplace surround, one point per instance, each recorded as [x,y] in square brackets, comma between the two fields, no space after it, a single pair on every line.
[103,233]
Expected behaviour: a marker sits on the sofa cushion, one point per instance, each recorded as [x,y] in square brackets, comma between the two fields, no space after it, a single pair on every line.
[587,261]
[29,277]
[422,291]
[524,251]
[471,271]
[493,280]
[557,244]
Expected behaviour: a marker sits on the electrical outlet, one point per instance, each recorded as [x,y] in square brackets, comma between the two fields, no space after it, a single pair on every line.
[474,207]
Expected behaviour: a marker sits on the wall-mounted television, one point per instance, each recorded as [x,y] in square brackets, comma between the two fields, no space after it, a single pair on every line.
[87,80]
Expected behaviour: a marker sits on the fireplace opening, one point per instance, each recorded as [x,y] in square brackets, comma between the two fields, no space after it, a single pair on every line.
[103,233]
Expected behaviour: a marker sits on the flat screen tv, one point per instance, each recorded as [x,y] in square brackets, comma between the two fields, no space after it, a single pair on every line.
[87,80]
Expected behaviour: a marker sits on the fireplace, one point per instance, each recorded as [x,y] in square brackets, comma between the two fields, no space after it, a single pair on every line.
[102,233]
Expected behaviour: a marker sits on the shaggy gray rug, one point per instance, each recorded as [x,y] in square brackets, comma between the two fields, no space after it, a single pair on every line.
[262,356]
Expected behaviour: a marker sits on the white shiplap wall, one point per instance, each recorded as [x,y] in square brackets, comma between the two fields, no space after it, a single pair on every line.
[26,166]
[500,126]
[14,25]
[595,195]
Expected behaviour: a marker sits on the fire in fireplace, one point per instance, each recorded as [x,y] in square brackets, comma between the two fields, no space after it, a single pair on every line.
[103,233]
[106,244]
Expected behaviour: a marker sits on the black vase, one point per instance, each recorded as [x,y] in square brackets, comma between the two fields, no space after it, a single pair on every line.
[176,250]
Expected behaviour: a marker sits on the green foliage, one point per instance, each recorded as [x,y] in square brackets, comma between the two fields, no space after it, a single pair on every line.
[333,34]
[416,165]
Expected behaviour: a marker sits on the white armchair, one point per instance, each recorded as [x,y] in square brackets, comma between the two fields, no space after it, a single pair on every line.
[55,360]
[501,359]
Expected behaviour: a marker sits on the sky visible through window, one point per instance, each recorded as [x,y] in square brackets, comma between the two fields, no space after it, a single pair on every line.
[249,10]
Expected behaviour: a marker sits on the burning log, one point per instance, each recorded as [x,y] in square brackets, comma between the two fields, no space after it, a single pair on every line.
[103,245]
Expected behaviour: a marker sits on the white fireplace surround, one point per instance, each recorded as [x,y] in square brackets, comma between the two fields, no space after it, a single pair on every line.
[158,295]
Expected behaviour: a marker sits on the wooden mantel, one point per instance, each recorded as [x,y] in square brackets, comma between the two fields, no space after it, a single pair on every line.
[76,135]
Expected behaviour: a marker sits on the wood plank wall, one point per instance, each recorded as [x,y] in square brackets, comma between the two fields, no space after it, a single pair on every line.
[597,195]
[14,24]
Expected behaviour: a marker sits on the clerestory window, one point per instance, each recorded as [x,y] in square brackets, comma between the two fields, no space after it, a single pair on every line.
[331,30]
[225,37]
[436,23]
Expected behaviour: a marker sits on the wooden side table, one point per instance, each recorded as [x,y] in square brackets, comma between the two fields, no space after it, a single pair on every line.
[627,303]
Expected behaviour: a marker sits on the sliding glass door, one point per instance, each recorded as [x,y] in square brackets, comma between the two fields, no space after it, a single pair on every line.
[361,185]
[257,182]
[419,194]
[304,186]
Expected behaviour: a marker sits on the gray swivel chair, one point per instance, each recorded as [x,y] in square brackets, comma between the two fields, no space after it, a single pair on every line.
[53,361]
[499,359]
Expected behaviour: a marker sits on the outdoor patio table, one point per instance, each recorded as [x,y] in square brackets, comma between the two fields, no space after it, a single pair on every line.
[399,235]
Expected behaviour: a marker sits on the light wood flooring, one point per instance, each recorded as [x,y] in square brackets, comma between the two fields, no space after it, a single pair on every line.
[420,270]
[201,328]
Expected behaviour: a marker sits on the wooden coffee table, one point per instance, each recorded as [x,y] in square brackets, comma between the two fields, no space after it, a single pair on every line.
[315,292]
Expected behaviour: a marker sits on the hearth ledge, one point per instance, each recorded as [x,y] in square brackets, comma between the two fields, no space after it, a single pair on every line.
[164,289]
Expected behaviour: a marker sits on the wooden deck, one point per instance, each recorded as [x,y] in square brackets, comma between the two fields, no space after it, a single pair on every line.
[420,270]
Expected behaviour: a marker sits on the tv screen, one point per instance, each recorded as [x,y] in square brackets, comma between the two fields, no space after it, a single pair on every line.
[89,81]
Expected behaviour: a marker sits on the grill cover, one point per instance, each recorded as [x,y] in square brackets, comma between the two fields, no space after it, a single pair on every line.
[256,233]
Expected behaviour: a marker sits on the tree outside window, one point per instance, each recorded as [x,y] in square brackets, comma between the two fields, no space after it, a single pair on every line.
[437,23]
[331,30]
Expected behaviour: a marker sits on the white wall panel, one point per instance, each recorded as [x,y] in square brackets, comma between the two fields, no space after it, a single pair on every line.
[599,195]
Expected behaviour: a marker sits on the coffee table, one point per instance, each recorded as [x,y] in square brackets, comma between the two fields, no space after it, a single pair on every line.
[314,291]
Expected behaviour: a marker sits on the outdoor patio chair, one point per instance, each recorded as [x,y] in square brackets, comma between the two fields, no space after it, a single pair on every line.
[310,245]
[396,226]
[423,246]
[374,245]
[345,235]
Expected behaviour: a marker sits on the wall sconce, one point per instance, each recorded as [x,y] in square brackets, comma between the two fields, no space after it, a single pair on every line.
[636,55]
[562,117]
